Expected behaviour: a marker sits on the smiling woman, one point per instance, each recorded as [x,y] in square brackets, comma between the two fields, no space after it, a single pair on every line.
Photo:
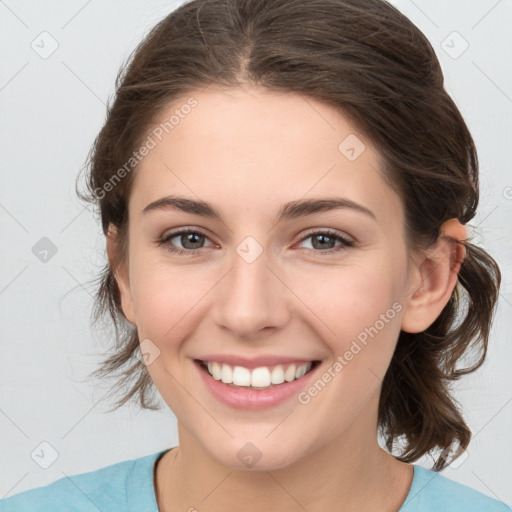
[298,233]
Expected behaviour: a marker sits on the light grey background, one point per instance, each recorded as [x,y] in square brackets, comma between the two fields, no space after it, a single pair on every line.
[50,111]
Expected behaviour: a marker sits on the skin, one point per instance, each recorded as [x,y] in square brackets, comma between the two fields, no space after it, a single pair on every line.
[248,151]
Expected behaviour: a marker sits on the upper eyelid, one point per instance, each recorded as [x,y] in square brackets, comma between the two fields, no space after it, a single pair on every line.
[184,231]
[335,232]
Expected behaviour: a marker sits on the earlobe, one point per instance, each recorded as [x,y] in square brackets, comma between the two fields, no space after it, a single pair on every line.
[434,278]
[121,275]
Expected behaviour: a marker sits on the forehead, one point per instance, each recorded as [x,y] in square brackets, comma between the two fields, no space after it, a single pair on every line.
[253,146]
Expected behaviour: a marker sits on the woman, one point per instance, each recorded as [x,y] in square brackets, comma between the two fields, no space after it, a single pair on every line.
[284,188]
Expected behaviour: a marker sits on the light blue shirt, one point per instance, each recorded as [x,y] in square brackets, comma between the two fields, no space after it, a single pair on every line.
[128,487]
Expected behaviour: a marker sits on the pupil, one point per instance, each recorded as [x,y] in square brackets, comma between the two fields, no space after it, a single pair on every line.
[187,238]
[322,237]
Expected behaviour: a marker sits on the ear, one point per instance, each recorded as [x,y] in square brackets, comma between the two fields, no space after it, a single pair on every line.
[120,270]
[434,278]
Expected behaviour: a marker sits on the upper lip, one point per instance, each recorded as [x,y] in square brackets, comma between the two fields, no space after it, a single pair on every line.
[252,362]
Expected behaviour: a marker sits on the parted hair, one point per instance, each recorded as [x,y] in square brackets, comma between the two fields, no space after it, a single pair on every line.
[365,58]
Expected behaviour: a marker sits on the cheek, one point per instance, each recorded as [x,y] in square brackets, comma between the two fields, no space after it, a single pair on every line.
[348,299]
[359,317]
[170,302]
[163,297]
[359,314]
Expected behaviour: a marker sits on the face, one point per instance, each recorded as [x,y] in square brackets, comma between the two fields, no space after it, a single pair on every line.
[326,284]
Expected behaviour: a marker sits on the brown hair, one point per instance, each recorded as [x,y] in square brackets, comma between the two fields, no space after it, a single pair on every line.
[368,60]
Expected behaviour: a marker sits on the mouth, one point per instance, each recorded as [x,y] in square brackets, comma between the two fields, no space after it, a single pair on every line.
[261,378]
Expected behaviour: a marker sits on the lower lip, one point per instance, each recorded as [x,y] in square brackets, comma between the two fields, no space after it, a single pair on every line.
[253,399]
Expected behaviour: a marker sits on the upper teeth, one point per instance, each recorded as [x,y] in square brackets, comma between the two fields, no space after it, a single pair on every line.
[258,377]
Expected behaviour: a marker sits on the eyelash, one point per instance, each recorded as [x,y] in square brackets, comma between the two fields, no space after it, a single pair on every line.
[345,242]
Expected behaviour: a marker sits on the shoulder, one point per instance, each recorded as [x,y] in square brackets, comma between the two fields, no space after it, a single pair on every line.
[431,491]
[117,487]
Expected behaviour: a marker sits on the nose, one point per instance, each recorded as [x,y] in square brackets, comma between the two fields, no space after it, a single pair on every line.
[252,298]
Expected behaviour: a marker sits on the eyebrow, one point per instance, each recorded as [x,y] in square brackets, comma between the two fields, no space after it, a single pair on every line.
[291,210]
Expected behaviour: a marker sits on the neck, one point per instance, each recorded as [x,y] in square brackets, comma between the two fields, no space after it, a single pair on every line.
[348,474]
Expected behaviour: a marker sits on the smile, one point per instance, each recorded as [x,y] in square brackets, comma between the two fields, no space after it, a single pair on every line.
[262,377]
[256,398]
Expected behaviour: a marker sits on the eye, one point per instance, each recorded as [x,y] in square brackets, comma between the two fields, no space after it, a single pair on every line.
[190,239]
[323,240]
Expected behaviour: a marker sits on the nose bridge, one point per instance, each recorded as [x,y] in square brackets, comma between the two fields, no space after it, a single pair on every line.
[251,296]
